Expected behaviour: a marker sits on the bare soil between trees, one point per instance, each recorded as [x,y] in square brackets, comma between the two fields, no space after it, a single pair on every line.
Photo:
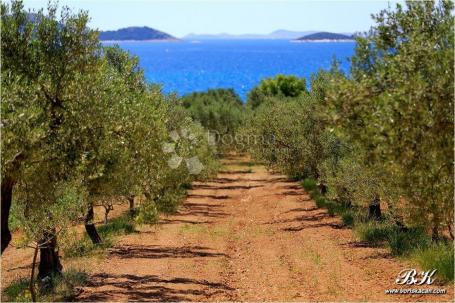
[247,235]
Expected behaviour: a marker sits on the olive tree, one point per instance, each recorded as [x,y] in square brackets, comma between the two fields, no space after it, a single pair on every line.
[401,95]
[278,86]
[47,65]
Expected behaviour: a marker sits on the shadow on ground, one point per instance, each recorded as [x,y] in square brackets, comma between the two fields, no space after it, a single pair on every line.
[158,252]
[152,288]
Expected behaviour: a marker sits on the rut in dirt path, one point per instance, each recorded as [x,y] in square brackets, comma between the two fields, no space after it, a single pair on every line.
[247,235]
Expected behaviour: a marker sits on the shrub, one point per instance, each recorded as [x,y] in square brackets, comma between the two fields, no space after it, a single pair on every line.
[17,291]
[170,201]
[309,184]
[320,202]
[373,232]
[403,242]
[348,218]
[314,194]
[76,247]
[147,213]
[436,256]
[117,226]
[332,208]
[64,288]
[83,247]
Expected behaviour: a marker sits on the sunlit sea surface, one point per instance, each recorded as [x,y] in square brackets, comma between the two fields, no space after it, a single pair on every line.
[189,66]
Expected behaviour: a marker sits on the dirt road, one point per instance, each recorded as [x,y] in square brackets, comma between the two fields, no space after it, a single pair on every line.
[248,235]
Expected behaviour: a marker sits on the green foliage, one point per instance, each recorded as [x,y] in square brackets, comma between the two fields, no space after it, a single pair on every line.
[331,207]
[220,111]
[64,290]
[77,247]
[17,291]
[147,214]
[348,218]
[117,226]
[436,256]
[364,136]
[279,86]
[63,205]
[397,98]
[373,232]
[309,184]
[65,286]
[74,246]
[170,201]
[80,125]
[14,217]
[320,202]
[48,110]
[286,136]
[404,242]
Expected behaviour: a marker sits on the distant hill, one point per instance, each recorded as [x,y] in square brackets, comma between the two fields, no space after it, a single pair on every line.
[278,34]
[135,33]
[285,34]
[325,36]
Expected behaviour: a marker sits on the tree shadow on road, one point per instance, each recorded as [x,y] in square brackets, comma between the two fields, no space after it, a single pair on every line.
[220,197]
[160,252]
[151,288]
[233,187]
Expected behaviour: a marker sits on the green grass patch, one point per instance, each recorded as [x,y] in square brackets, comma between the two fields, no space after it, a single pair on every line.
[403,242]
[333,208]
[314,194]
[18,291]
[348,218]
[436,256]
[64,288]
[79,247]
[320,202]
[84,247]
[309,184]
[117,226]
[373,232]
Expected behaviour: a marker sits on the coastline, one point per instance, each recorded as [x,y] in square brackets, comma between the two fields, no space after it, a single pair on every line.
[322,40]
[145,40]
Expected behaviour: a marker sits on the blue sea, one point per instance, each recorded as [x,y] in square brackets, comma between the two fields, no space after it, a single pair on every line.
[184,67]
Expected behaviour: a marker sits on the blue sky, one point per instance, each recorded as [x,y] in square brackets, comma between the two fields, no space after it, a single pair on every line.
[181,17]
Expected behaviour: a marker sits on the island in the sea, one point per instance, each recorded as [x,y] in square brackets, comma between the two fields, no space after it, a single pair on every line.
[325,36]
[135,33]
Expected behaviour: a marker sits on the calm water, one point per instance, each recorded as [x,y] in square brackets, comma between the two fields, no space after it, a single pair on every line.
[185,67]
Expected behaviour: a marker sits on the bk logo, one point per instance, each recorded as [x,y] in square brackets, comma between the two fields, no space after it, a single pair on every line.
[413,277]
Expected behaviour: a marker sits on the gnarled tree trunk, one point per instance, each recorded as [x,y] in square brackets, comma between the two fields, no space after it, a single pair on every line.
[322,188]
[7,195]
[374,209]
[49,264]
[90,226]
[8,181]
[107,210]
[131,202]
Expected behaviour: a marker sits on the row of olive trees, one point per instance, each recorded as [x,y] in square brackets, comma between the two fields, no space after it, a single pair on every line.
[80,125]
[384,134]
[220,111]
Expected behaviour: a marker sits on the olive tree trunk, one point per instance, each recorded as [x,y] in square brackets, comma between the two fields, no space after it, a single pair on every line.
[90,226]
[131,202]
[7,195]
[374,209]
[49,263]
